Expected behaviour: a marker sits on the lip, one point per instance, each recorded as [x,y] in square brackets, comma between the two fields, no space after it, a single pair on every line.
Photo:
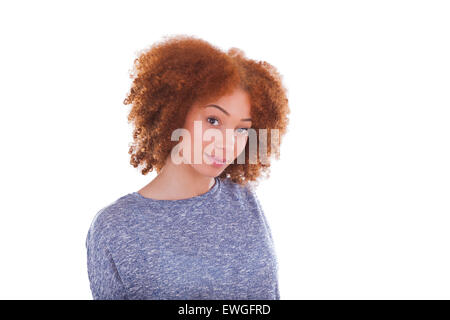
[216,160]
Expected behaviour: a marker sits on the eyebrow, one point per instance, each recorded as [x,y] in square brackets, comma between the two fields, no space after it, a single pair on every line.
[224,111]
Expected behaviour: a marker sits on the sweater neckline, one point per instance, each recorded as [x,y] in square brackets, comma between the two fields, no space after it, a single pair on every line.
[211,192]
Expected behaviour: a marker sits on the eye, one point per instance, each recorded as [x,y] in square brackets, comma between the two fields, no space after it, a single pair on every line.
[245,132]
[211,118]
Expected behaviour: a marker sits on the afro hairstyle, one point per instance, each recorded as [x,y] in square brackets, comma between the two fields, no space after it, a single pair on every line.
[179,71]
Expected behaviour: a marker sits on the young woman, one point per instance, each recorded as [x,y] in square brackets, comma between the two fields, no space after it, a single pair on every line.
[197,230]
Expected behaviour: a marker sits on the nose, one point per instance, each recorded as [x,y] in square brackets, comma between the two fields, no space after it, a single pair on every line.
[222,148]
[227,140]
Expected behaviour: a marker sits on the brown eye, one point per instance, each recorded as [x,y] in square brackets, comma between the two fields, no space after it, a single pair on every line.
[211,118]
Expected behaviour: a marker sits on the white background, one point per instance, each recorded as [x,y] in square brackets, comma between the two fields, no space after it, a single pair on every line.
[359,201]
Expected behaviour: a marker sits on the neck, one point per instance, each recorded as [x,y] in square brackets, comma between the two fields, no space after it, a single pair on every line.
[177,181]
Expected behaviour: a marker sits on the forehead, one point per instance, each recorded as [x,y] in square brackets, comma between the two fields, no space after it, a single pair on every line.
[236,104]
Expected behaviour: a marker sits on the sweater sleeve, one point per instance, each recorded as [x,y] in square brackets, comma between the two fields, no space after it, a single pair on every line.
[254,196]
[105,281]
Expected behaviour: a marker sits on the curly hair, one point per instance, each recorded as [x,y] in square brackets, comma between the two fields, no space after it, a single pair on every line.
[173,74]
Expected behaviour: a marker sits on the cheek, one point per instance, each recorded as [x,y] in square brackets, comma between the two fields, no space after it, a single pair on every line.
[240,144]
[195,141]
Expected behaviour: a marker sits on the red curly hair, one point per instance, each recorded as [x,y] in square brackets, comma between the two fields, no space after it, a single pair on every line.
[172,75]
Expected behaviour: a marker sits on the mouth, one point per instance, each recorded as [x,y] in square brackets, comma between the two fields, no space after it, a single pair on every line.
[216,160]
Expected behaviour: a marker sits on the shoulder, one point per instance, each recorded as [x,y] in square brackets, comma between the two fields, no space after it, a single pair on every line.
[112,217]
[242,193]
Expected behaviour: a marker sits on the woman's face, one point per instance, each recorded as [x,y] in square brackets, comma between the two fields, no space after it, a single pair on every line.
[217,129]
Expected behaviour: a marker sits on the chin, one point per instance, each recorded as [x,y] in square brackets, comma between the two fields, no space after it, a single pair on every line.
[208,170]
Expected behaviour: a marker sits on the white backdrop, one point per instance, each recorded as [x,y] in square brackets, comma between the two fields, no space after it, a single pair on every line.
[359,201]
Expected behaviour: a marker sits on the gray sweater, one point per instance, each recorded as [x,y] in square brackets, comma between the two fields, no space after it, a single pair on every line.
[217,245]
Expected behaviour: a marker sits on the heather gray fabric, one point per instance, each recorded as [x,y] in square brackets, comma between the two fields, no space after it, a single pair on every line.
[217,245]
